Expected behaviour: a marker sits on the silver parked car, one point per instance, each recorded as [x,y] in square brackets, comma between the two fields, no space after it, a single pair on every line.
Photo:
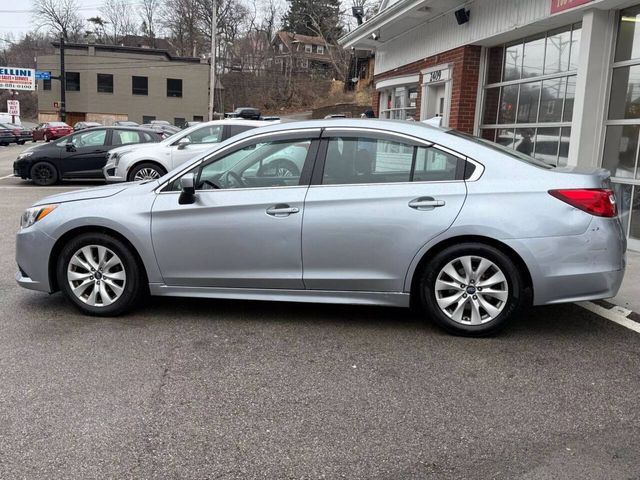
[380,212]
[133,162]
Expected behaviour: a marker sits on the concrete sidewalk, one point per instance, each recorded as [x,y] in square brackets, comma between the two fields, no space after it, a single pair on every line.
[629,294]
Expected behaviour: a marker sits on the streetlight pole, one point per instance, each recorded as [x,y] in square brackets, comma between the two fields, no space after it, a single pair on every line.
[212,75]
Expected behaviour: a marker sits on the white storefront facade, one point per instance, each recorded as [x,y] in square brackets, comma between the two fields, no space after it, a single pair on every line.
[557,79]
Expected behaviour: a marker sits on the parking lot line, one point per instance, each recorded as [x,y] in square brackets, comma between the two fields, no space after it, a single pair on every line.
[6,176]
[612,315]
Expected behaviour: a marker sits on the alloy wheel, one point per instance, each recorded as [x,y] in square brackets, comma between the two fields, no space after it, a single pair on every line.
[96,275]
[471,290]
[146,173]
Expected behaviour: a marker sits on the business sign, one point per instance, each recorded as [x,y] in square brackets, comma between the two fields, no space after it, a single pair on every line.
[43,75]
[13,107]
[562,5]
[12,78]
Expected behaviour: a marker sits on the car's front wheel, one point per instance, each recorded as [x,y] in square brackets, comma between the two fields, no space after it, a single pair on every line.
[471,289]
[145,171]
[44,174]
[99,274]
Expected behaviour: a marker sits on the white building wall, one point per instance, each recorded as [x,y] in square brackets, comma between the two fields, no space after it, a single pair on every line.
[489,18]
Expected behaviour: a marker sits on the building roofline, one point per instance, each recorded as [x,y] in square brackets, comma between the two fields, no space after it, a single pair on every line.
[363,32]
[122,48]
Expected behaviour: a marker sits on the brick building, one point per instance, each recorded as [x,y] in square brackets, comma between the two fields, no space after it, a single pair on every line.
[555,79]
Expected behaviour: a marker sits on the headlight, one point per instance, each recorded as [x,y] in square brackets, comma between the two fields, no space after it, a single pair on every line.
[33,214]
[24,155]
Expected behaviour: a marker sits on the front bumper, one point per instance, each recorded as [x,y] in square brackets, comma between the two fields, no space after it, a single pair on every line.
[33,248]
[112,174]
[21,169]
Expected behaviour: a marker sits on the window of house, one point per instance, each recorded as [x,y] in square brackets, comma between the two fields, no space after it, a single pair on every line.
[174,87]
[308,48]
[399,103]
[198,118]
[146,119]
[529,93]
[622,126]
[105,83]
[140,86]
[320,49]
[303,63]
[280,47]
[72,81]
[46,84]
[179,122]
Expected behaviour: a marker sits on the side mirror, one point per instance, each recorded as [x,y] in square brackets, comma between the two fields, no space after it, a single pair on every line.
[183,142]
[70,147]
[188,194]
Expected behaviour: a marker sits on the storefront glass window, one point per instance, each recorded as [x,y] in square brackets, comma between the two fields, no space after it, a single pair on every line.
[399,103]
[622,128]
[628,42]
[533,117]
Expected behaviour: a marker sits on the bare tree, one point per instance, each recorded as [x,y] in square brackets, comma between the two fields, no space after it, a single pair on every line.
[148,10]
[120,19]
[59,17]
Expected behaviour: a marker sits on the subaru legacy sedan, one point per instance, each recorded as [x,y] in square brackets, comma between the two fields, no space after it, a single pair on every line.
[378,213]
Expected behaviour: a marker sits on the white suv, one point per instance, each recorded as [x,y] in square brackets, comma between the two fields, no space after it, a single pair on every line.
[150,161]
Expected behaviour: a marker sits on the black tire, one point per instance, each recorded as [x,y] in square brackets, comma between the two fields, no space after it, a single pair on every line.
[431,271]
[44,174]
[134,287]
[145,165]
[278,167]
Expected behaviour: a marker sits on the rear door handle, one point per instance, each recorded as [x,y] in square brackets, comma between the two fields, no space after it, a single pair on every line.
[426,203]
[281,210]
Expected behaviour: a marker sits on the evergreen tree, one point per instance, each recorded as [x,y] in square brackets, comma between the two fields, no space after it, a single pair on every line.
[315,18]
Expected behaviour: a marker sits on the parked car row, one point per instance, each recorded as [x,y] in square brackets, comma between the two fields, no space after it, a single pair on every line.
[120,154]
[12,133]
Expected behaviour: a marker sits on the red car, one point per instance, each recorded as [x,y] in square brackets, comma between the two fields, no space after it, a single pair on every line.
[51,130]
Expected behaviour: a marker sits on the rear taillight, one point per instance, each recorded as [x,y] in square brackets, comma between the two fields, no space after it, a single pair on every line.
[596,201]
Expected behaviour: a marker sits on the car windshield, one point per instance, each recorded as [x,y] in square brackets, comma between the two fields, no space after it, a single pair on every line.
[502,149]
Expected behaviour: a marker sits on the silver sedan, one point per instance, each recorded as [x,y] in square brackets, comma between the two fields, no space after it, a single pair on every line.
[374,212]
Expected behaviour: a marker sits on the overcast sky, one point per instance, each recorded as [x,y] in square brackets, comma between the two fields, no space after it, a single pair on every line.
[16,18]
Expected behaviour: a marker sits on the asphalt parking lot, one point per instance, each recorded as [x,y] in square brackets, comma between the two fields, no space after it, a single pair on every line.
[228,389]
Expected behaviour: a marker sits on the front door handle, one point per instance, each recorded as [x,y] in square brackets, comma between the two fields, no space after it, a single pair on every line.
[426,203]
[281,210]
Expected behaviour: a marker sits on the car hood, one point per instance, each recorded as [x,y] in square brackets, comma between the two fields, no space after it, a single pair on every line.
[85,194]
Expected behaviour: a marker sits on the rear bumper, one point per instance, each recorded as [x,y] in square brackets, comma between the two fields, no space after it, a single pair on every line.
[575,268]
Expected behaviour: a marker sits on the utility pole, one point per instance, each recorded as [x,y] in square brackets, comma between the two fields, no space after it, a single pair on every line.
[63,84]
[212,76]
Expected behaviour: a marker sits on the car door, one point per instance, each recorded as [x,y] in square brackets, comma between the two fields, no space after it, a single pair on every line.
[244,228]
[38,131]
[373,203]
[85,153]
[188,146]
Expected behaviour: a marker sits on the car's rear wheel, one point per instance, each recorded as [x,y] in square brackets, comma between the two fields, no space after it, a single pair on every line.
[44,174]
[21,142]
[471,289]
[146,171]
[99,274]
